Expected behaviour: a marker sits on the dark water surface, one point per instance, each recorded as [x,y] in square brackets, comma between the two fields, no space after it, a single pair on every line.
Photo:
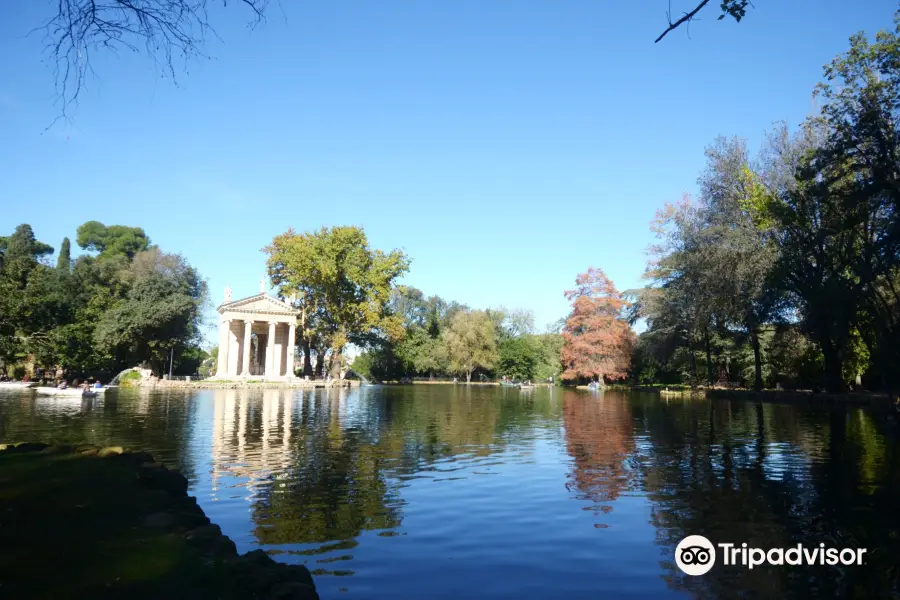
[450,492]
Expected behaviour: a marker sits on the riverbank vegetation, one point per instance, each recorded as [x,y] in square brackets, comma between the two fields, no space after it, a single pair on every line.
[441,338]
[123,302]
[785,270]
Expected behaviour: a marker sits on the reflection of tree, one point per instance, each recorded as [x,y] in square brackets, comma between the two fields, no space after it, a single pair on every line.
[773,476]
[599,437]
[350,456]
[334,487]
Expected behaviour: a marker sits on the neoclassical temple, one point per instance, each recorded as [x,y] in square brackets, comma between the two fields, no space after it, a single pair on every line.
[256,337]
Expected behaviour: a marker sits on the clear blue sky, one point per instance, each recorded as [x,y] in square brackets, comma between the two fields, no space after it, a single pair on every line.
[505,145]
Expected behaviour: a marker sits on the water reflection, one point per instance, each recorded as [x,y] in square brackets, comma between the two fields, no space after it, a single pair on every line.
[547,494]
[599,438]
[776,476]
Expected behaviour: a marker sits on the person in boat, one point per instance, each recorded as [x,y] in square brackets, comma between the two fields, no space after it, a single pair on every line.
[63,385]
[97,385]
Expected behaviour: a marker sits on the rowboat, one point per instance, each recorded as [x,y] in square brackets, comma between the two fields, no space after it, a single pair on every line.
[16,385]
[508,384]
[526,386]
[69,392]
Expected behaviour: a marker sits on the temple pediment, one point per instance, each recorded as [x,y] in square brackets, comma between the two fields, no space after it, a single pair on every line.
[260,304]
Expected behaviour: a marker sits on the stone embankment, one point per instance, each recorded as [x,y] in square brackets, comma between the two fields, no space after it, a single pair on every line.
[121,525]
[881,401]
[251,384]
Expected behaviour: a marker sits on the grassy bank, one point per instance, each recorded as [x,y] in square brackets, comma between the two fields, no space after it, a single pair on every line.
[85,522]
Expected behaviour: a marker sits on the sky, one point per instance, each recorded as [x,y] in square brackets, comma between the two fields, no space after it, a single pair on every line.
[504,145]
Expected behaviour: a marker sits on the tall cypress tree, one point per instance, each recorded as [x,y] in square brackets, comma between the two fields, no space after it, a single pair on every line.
[64,262]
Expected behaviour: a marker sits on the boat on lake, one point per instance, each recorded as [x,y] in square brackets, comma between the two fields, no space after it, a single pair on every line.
[526,386]
[591,387]
[16,385]
[70,392]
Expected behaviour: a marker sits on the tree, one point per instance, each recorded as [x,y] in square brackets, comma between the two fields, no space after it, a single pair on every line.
[343,285]
[737,243]
[549,347]
[519,322]
[598,340]
[861,106]
[518,358]
[469,341]
[25,292]
[735,9]
[160,312]
[64,262]
[113,240]
[679,304]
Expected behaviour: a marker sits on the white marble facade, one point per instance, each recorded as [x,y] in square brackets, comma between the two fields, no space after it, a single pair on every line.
[257,338]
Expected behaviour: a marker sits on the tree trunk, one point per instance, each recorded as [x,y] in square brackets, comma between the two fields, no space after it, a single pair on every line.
[693,367]
[307,358]
[834,377]
[319,371]
[709,363]
[757,360]
[468,376]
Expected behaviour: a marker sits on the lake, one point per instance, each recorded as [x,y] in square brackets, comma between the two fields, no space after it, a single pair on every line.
[448,492]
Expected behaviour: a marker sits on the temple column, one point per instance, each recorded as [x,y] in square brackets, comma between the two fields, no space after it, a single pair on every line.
[270,351]
[234,350]
[224,332]
[245,363]
[289,361]
[279,350]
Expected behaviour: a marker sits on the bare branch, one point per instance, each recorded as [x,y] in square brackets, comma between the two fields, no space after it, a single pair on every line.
[685,19]
[168,31]
[736,9]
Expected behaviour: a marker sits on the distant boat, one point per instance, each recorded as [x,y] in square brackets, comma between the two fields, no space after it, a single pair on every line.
[16,385]
[509,384]
[591,387]
[526,386]
[69,392]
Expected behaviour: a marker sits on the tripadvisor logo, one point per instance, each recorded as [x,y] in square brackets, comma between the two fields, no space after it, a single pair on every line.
[696,555]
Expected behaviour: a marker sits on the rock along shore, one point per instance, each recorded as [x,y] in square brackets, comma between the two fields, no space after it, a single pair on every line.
[105,522]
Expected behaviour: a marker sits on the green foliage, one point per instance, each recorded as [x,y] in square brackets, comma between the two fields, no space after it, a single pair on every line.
[158,313]
[470,342]
[548,363]
[344,286]
[517,358]
[64,262]
[97,315]
[130,379]
[786,270]
[113,240]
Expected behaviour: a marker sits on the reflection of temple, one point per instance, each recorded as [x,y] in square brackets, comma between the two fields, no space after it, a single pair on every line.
[251,435]
[599,437]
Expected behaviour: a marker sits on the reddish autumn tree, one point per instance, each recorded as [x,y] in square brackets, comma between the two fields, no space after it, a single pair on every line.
[597,339]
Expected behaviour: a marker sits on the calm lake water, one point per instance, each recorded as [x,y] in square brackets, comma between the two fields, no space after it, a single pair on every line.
[451,492]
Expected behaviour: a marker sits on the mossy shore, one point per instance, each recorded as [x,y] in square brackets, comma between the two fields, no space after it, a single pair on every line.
[98,523]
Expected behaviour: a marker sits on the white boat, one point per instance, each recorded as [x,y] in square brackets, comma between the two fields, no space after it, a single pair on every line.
[15,385]
[69,392]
